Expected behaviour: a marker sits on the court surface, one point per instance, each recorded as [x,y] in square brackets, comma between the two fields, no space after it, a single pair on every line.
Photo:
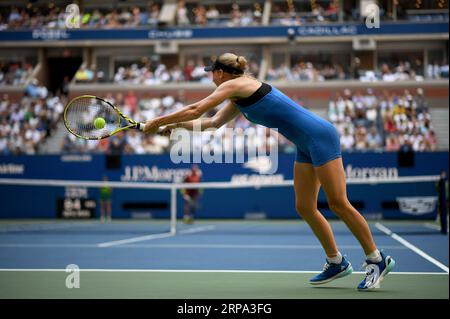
[210,259]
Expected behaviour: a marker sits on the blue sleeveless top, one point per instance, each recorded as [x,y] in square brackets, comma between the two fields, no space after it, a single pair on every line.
[316,139]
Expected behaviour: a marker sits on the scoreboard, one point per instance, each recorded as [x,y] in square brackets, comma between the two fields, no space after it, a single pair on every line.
[76,204]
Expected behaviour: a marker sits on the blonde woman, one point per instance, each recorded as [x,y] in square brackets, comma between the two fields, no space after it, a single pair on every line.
[318,162]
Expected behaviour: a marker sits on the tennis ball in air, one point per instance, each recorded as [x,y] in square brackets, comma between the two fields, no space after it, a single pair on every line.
[99,123]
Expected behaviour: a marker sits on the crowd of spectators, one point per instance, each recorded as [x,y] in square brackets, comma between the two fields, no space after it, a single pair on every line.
[364,120]
[129,142]
[292,14]
[195,13]
[389,72]
[406,70]
[307,71]
[14,73]
[327,11]
[141,109]
[232,15]
[152,72]
[27,122]
[384,121]
[158,73]
[54,17]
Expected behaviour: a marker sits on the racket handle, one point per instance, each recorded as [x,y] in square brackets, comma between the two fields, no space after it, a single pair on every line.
[140,126]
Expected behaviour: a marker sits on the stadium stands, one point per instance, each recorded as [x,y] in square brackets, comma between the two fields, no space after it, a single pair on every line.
[211,13]
[14,73]
[26,123]
[370,122]
[154,70]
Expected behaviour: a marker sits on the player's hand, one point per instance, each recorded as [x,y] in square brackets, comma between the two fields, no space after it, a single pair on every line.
[166,131]
[151,127]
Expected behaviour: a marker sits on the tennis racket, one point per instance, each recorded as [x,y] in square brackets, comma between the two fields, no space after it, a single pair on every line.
[81,112]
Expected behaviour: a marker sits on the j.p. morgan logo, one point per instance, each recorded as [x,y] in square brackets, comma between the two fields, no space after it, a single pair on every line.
[371,172]
[153,174]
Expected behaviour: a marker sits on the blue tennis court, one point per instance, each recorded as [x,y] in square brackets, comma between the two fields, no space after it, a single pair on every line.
[237,253]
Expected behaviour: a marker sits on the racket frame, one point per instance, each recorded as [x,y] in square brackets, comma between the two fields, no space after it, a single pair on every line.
[132,123]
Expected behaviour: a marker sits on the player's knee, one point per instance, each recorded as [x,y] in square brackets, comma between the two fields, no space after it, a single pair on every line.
[339,207]
[304,210]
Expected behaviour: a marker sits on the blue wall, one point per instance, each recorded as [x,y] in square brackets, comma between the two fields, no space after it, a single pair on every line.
[30,202]
[214,33]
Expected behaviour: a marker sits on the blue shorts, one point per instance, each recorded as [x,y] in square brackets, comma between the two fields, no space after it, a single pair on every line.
[323,146]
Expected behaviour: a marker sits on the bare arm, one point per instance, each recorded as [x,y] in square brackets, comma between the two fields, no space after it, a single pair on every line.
[224,115]
[194,111]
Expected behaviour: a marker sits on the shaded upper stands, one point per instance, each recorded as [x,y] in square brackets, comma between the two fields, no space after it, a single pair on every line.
[298,13]
[147,15]
[220,14]
[212,13]
[52,16]
[385,121]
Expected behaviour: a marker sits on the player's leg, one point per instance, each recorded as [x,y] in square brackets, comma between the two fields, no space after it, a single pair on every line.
[109,209]
[187,210]
[194,205]
[307,187]
[332,178]
[102,210]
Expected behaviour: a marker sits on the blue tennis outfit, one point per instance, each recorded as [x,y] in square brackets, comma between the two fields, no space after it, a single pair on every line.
[316,139]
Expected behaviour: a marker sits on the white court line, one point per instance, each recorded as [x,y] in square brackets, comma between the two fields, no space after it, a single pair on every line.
[206,271]
[415,249]
[184,246]
[154,236]
[134,240]
[197,229]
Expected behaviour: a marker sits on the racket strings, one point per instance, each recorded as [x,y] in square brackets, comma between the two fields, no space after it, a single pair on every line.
[81,114]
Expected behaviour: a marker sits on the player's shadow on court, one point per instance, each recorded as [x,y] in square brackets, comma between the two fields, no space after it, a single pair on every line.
[332,288]
[349,289]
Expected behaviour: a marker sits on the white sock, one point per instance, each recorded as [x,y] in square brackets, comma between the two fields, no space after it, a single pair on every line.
[374,256]
[336,259]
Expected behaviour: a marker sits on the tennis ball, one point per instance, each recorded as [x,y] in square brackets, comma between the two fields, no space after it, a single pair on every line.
[99,123]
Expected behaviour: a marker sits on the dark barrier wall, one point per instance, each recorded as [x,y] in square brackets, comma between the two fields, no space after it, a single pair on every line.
[405,200]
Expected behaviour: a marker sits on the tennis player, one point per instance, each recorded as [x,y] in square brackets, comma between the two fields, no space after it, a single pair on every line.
[191,196]
[318,160]
[105,201]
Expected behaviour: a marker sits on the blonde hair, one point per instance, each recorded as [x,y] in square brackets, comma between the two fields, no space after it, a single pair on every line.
[234,61]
